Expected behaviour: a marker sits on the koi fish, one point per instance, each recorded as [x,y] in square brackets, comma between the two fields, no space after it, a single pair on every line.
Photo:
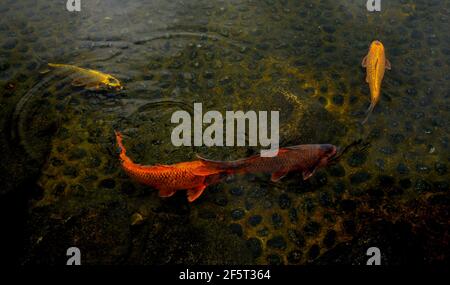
[194,176]
[304,158]
[375,63]
[91,79]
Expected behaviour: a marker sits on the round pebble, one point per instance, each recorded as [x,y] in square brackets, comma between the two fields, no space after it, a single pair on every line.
[274,259]
[284,201]
[255,247]
[255,220]
[330,238]
[277,220]
[237,214]
[313,251]
[311,228]
[236,229]
[294,257]
[359,177]
[107,183]
[277,242]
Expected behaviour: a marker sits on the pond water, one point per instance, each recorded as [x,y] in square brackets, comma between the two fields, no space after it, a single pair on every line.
[61,181]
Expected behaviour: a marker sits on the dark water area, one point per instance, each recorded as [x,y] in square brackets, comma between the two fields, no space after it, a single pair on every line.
[61,184]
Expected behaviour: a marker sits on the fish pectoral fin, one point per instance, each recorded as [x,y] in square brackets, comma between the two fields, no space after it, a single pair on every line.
[166,192]
[92,86]
[215,178]
[194,193]
[278,175]
[45,70]
[364,62]
[308,173]
[388,64]
[80,81]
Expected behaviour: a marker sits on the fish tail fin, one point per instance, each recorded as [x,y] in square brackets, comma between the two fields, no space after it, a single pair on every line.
[47,68]
[368,112]
[215,178]
[123,152]
[230,166]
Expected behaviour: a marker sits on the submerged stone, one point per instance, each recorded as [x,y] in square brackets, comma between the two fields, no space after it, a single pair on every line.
[422,186]
[236,191]
[277,242]
[296,237]
[336,170]
[284,201]
[237,214]
[107,183]
[255,246]
[255,220]
[359,177]
[277,220]
[405,183]
[330,238]
[295,256]
[338,100]
[348,206]
[263,232]
[349,226]
[236,229]
[440,168]
[402,168]
[274,259]
[313,251]
[311,228]
[221,201]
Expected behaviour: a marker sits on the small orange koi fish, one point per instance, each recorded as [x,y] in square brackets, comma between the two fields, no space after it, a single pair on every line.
[89,78]
[375,63]
[194,176]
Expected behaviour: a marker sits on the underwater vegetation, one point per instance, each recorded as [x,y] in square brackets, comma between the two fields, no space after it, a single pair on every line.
[62,181]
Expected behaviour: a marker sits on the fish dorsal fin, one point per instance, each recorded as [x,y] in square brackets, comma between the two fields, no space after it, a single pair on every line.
[194,193]
[278,175]
[159,167]
[364,62]
[294,147]
[388,64]
[164,192]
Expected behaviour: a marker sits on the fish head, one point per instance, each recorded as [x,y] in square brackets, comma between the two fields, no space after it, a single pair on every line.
[326,153]
[112,83]
[376,45]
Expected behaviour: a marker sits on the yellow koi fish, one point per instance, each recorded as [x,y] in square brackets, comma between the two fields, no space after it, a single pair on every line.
[91,79]
[375,63]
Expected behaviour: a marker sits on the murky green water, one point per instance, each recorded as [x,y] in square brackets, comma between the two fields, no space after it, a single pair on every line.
[299,57]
